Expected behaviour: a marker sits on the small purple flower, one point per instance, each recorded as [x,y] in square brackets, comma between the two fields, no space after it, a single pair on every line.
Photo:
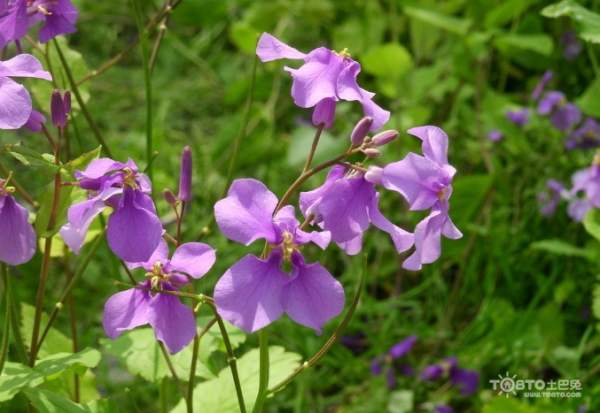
[549,200]
[563,114]
[254,292]
[465,380]
[432,372]
[426,183]
[443,408]
[173,323]
[134,230]
[584,193]
[60,107]
[586,136]
[571,46]
[518,117]
[401,348]
[185,175]
[325,78]
[18,16]
[346,205]
[495,135]
[17,236]
[541,85]
[15,101]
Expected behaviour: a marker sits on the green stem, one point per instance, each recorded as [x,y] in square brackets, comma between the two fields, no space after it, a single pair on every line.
[82,106]
[329,343]
[192,379]
[143,35]
[263,378]
[7,316]
[232,362]
[313,148]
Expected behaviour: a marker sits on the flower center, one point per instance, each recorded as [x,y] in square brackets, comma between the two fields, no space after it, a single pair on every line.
[157,275]
[288,246]
[596,160]
[129,178]
[344,53]
[442,193]
[4,188]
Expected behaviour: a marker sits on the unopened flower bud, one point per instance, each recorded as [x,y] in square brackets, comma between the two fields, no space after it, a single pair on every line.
[169,197]
[385,137]
[185,175]
[67,102]
[371,152]
[361,130]
[60,106]
[324,113]
[374,175]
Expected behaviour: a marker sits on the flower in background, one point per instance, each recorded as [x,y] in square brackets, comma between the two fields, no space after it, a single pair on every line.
[495,135]
[390,361]
[585,192]
[134,230]
[465,380]
[325,78]
[549,200]
[571,46]
[16,109]
[518,117]
[426,183]
[541,85]
[174,324]
[254,292]
[17,236]
[563,114]
[585,136]
[18,16]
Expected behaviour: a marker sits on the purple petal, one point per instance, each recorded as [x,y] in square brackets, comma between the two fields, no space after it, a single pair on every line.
[316,79]
[245,215]
[133,231]
[309,200]
[353,246]
[17,236]
[550,101]
[13,22]
[401,348]
[428,238]
[23,65]
[443,408]
[324,113]
[313,296]
[377,366]
[270,48]
[319,238]
[35,121]
[248,295]
[432,372]
[402,239]
[435,143]
[416,178]
[578,208]
[173,323]
[125,310]
[61,21]
[193,258]
[15,104]
[98,168]
[160,254]
[466,380]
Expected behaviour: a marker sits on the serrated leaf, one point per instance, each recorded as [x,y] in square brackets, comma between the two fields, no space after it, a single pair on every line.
[586,22]
[218,395]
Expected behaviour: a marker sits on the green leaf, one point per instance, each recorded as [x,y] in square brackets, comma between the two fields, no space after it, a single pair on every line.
[596,300]
[218,395]
[46,204]
[388,61]
[589,101]
[16,376]
[31,158]
[141,354]
[449,23]
[506,11]
[46,401]
[558,247]
[244,37]
[586,22]
[591,224]
[58,363]
[83,160]
[537,43]
[469,193]
[55,342]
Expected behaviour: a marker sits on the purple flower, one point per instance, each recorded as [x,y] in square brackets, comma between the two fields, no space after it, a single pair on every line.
[432,372]
[495,135]
[325,78]
[377,365]
[571,46]
[35,121]
[541,85]
[518,117]
[60,107]
[254,292]
[443,408]
[17,237]
[173,323]
[18,16]
[549,200]
[134,231]
[346,205]
[586,136]
[401,348]
[15,102]
[426,183]
[563,114]
[465,380]
[584,193]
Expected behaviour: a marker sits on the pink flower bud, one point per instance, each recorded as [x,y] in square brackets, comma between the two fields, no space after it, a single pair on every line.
[371,152]
[361,130]
[185,175]
[385,137]
[169,197]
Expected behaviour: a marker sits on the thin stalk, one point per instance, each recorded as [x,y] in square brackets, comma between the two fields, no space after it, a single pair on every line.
[313,148]
[162,30]
[329,343]
[189,398]
[232,361]
[243,129]
[172,368]
[82,105]
[7,316]
[78,273]
[263,375]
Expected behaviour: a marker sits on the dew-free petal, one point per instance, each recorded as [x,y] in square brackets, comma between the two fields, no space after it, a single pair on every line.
[125,310]
[15,104]
[173,323]
[270,48]
[17,236]
[402,239]
[193,258]
[23,65]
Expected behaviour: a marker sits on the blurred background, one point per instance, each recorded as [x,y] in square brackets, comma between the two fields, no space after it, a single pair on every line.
[518,293]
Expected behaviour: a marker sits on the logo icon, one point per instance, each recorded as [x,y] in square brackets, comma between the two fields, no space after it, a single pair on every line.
[505,384]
